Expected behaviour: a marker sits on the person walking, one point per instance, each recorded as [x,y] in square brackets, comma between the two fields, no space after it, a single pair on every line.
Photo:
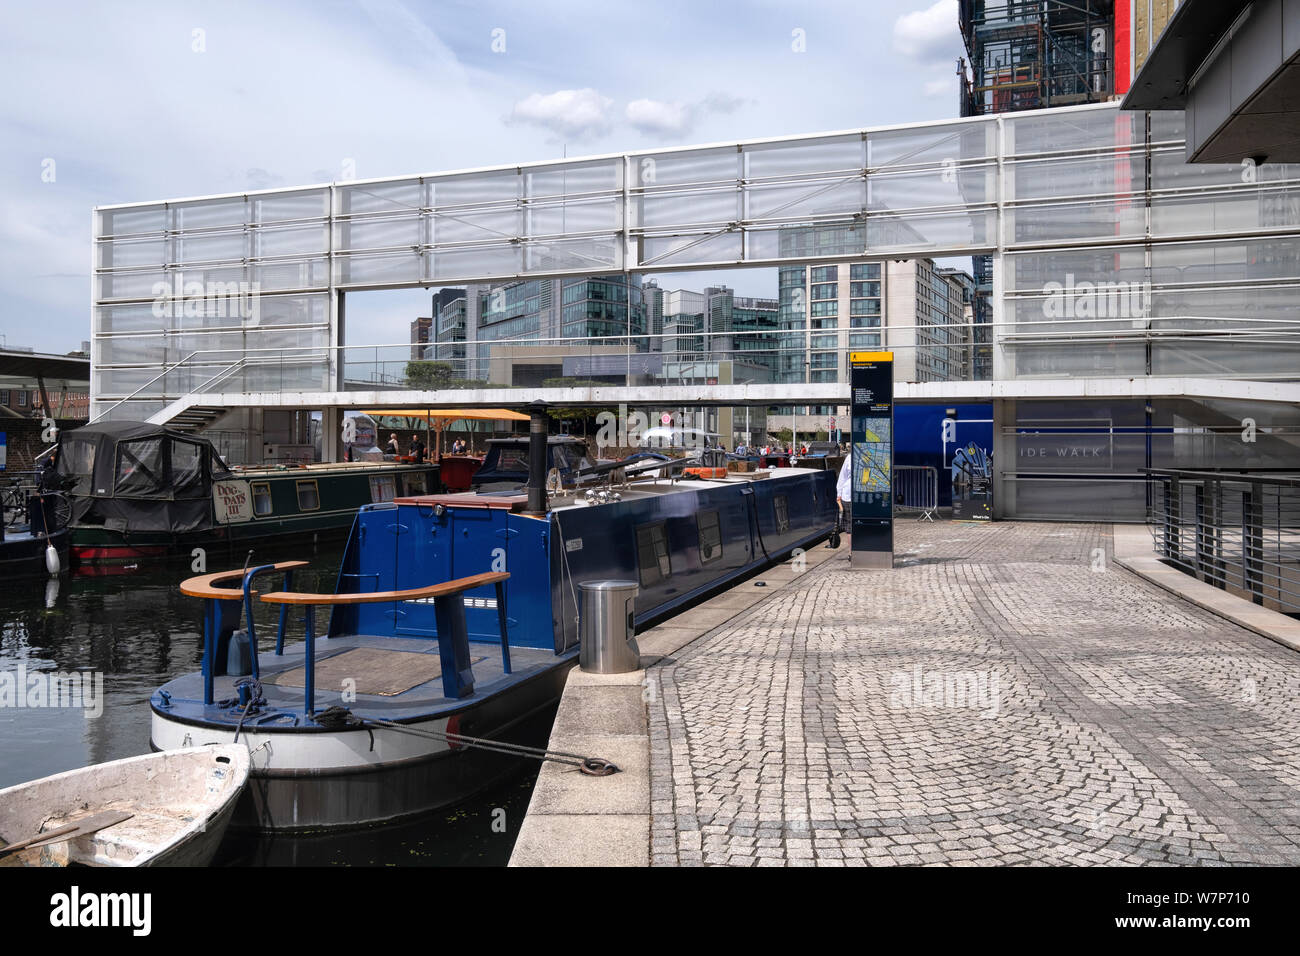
[844,489]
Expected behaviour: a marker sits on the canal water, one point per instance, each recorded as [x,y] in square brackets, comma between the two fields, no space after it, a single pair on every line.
[136,629]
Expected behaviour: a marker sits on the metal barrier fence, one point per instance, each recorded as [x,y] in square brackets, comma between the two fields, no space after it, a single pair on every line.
[1236,530]
[916,488]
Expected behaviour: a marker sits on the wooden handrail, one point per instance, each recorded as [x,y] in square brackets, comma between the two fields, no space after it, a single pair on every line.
[204,586]
[374,597]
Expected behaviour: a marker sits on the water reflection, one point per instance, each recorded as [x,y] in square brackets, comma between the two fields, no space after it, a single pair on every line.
[139,631]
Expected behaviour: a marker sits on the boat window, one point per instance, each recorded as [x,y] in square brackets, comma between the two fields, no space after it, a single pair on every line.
[782,513]
[187,466]
[512,459]
[308,495]
[140,469]
[710,536]
[652,553]
[77,458]
[415,483]
[383,488]
[262,498]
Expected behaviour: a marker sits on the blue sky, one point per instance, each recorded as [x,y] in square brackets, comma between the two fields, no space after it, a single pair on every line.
[131,101]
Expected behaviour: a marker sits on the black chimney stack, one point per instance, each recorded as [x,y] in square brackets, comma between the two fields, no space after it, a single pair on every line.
[537,428]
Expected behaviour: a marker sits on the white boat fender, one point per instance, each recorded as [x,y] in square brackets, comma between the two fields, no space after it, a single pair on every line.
[52,563]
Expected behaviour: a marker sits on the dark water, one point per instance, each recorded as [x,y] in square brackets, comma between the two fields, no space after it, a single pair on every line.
[139,631]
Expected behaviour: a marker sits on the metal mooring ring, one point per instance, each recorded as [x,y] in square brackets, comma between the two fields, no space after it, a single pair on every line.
[597,767]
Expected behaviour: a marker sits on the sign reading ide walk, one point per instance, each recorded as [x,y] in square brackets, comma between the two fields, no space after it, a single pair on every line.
[871,376]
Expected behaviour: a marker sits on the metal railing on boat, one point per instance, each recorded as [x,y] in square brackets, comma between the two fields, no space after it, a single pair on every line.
[223,607]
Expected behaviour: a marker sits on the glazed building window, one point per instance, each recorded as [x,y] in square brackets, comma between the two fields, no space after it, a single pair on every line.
[415,484]
[652,554]
[308,495]
[710,528]
[262,498]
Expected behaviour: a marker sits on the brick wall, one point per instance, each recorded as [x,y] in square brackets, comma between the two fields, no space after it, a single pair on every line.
[24,440]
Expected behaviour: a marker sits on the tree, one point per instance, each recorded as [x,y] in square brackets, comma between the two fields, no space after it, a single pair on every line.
[430,375]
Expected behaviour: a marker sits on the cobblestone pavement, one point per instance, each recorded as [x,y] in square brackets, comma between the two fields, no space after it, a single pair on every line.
[1006,695]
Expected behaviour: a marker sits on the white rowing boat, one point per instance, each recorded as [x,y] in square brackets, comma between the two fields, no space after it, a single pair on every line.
[162,809]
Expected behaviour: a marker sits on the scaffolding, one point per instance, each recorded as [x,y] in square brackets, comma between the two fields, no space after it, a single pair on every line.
[1034,54]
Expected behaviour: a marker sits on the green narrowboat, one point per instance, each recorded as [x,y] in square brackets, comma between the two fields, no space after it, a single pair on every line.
[142,491]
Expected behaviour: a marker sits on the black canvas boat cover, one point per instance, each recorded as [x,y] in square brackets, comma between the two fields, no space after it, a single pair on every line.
[134,476]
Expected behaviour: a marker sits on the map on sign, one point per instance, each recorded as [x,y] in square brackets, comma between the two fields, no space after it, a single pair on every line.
[871,456]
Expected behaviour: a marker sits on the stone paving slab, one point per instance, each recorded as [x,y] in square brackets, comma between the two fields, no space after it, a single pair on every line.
[1006,695]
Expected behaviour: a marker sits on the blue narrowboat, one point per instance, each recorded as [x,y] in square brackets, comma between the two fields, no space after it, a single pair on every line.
[455,620]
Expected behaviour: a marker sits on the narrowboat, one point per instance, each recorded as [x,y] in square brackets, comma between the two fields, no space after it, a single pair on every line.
[142,491]
[454,621]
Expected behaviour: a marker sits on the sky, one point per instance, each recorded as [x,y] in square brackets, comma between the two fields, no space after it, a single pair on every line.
[131,101]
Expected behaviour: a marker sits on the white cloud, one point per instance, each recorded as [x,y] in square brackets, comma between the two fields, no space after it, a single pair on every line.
[927,34]
[938,87]
[574,113]
[653,116]
[676,119]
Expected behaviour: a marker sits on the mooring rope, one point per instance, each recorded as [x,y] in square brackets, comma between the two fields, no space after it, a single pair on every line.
[341,717]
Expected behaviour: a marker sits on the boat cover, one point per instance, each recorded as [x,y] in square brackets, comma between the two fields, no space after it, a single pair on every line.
[137,475]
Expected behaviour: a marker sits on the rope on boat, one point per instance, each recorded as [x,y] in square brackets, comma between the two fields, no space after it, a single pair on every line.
[341,717]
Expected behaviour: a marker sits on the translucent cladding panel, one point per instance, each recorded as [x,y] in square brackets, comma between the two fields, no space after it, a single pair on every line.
[135,410]
[1226,261]
[1110,308]
[1069,177]
[812,157]
[131,253]
[404,196]
[1086,500]
[500,185]
[572,255]
[131,285]
[688,249]
[1208,434]
[129,318]
[133,221]
[1264,356]
[120,382]
[1238,210]
[572,178]
[1051,131]
[1032,271]
[556,218]
[1104,219]
[299,205]
[135,350]
[276,310]
[718,165]
[292,240]
[1268,308]
[687,207]
[941,145]
[806,198]
[1168,126]
[921,232]
[1081,359]
[474,225]
[207,213]
[914,190]
[376,269]
[477,262]
[213,247]
[383,233]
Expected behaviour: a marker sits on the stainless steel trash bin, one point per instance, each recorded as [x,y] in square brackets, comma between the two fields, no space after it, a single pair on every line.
[606,627]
